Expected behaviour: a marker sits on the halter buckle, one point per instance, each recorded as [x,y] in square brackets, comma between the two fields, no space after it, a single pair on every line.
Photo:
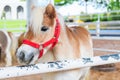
[41,47]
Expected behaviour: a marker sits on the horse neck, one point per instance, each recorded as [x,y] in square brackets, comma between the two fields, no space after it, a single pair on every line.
[62,24]
[63,32]
[61,20]
[63,43]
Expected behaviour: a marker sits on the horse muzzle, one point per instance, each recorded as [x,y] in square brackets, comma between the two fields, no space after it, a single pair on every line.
[25,58]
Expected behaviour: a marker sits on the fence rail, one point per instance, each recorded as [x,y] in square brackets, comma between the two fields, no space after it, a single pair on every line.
[15,71]
[106,50]
[95,23]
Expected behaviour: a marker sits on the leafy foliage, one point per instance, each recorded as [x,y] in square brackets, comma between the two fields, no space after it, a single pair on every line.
[63,2]
[114,5]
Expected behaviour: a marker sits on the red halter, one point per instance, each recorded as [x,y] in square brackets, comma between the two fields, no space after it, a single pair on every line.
[52,41]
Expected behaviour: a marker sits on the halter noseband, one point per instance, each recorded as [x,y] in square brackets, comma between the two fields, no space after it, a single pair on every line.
[53,41]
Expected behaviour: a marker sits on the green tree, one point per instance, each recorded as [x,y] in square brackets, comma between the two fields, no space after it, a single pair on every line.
[114,5]
[63,2]
[22,0]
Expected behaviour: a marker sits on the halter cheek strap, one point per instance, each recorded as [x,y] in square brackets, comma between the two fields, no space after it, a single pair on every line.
[53,41]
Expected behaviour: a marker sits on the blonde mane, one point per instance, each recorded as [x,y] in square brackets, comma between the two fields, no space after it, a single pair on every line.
[36,19]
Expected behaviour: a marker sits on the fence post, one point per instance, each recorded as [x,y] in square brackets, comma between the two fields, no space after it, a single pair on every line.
[98,26]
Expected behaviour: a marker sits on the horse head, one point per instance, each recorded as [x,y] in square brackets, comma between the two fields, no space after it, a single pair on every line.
[43,32]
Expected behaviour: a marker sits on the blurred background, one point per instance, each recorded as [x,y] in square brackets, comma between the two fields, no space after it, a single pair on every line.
[100,17]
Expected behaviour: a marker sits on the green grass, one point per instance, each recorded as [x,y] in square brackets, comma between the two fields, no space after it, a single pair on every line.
[13,25]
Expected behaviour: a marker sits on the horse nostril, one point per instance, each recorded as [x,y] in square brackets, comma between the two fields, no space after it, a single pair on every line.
[31,58]
[22,55]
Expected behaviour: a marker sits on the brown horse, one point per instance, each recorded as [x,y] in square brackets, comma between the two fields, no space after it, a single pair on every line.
[8,46]
[49,39]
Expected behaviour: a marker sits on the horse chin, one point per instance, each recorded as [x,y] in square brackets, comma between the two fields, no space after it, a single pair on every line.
[26,62]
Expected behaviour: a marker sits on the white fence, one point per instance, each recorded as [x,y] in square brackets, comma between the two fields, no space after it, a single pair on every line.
[98,25]
[96,32]
[110,25]
[8,72]
[106,50]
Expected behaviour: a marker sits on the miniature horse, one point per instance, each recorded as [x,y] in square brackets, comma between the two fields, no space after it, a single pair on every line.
[49,39]
[8,46]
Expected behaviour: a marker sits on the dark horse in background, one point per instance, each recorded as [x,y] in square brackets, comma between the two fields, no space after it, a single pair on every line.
[8,46]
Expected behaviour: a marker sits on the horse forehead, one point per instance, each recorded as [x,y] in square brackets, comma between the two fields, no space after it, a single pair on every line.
[37,16]
[39,11]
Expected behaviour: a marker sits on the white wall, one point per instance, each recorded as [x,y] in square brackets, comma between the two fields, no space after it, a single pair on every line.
[13,4]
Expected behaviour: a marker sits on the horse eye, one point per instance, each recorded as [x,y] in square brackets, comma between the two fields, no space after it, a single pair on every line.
[44,28]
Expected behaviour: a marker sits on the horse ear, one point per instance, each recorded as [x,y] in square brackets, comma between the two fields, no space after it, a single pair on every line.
[50,11]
